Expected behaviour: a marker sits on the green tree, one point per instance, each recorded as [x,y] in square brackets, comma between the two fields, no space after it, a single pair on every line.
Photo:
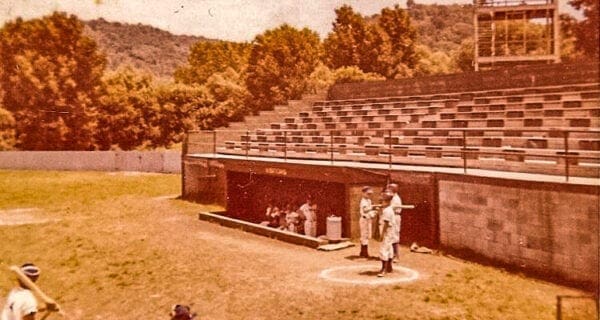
[586,31]
[384,45]
[324,77]
[51,79]
[280,62]
[345,45]
[127,110]
[354,74]
[464,58]
[396,24]
[7,130]
[431,63]
[178,107]
[209,57]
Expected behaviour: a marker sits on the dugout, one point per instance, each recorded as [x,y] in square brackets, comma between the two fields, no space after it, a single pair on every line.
[246,187]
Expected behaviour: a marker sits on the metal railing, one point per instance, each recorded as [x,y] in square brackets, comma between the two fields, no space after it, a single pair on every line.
[502,3]
[331,145]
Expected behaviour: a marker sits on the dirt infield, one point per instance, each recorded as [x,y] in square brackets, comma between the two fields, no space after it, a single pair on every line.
[120,251]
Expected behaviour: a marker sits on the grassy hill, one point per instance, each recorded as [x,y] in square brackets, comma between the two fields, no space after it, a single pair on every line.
[440,27]
[142,46]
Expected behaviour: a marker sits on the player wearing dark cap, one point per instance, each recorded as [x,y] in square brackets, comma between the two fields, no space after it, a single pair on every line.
[386,222]
[365,222]
[396,203]
[21,303]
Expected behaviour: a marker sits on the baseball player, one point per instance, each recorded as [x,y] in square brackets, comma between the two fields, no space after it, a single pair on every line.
[309,211]
[292,219]
[397,205]
[365,222]
[21,303]
[387,225]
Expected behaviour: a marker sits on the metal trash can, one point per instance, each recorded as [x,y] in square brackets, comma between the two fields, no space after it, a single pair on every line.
[334,228]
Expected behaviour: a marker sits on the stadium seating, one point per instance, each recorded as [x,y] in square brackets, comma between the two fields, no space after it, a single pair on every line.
[509,129]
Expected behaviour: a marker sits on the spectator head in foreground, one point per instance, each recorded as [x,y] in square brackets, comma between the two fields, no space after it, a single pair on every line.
[181,312]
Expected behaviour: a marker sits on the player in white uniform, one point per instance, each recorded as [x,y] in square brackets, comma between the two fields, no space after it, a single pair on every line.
[387,227]
[21,303]
[309,210]
[365,222]
[397,205]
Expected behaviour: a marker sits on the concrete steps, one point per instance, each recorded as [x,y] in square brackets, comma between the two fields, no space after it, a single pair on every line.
[264,119]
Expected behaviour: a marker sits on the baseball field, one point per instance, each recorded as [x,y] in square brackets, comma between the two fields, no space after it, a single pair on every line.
[121,246]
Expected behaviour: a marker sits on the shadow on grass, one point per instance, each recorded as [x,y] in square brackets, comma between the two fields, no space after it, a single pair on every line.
[356,257]
[369,273]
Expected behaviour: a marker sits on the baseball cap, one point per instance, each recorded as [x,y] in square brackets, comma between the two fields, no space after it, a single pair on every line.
[30,270]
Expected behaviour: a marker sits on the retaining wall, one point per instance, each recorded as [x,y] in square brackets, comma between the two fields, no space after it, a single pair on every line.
[550,229]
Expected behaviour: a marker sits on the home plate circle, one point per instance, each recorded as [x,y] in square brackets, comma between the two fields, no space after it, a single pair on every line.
[367,274]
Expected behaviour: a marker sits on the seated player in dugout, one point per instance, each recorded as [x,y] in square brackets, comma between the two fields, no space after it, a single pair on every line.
[283,220]
[292,220]
[21,303]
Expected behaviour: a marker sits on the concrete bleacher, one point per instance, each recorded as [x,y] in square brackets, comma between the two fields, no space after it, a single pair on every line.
[509,129]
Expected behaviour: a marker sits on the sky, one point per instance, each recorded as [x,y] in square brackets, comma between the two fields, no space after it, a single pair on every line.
[235,20]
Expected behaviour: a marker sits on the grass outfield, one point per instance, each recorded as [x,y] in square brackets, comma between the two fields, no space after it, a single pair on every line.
[117,247]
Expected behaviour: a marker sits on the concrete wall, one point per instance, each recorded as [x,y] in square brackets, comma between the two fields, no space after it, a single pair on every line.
[508,77]
[204,181]
[147,161]
[550,229]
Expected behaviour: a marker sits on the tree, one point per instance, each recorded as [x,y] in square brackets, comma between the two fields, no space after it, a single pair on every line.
[280,61]
[51,78]
[385,45]
[586,31]
[354,74]
[207,58]
[344,44]
[324,77]
[127,110]
[7,130]
[464,58]
[178,108]
[431,63]
[396,24]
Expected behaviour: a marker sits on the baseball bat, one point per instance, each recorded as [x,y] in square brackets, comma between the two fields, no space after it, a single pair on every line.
[36,290]
[405,206]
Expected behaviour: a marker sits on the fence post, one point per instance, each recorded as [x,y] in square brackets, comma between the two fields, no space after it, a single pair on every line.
[214,143]
[566,136]
[464,153]
[331,145]
[285,145]
[184,146]
[558,308]
[390,149]
[247,143]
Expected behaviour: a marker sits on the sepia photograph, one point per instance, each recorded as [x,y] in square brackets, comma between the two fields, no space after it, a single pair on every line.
[327,159]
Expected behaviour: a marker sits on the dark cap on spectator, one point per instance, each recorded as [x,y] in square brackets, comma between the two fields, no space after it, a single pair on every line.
[181,312]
